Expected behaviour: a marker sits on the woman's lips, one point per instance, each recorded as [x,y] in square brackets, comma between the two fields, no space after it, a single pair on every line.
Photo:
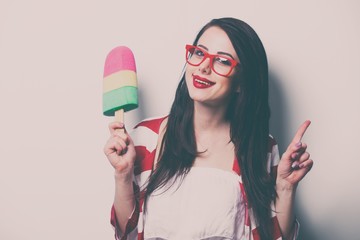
[200,82]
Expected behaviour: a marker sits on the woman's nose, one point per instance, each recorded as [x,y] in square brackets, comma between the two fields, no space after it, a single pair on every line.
[205,66]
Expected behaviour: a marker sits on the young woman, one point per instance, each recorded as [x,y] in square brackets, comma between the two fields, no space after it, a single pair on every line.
[210,169]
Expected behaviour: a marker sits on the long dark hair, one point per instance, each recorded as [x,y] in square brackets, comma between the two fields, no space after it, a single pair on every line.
[248,113]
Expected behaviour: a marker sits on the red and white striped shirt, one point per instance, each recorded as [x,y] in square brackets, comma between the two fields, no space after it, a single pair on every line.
[145,137]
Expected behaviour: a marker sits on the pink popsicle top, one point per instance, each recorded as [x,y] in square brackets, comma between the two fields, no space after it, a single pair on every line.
[118,59]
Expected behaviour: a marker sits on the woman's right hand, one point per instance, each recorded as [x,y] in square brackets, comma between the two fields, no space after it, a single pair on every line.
[120,150]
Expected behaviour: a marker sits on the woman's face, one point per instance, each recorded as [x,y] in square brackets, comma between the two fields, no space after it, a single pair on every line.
[204,85]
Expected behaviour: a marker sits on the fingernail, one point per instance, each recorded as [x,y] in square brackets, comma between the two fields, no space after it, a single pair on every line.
[295,165]
[294,156]
[298,144]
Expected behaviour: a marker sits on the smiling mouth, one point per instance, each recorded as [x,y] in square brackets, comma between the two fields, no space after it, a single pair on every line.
[200,82]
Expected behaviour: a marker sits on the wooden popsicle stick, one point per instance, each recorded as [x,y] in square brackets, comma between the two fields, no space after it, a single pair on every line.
[119,117]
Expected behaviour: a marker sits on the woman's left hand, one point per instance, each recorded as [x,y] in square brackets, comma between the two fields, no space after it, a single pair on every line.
[295,163]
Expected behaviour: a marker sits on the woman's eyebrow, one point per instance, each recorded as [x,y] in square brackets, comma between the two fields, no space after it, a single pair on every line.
[203,47]
[228,54]
[222,53]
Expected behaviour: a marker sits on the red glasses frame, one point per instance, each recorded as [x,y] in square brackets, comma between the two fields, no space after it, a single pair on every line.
[211,57]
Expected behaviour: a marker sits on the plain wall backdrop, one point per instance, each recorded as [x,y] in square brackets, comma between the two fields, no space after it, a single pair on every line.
[56,183]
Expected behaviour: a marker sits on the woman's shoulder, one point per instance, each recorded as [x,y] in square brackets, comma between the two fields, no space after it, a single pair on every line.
[154,123]
[271,143]
[146,135]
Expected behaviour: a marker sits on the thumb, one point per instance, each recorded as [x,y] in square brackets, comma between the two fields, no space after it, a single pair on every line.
[121,128]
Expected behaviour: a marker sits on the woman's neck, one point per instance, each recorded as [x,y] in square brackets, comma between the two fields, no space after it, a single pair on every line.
[213,141]
[209,118]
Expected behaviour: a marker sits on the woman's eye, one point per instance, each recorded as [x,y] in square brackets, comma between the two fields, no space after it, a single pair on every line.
[223,61]
[198,52]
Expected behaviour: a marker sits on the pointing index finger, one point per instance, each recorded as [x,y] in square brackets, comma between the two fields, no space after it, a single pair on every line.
[301,131]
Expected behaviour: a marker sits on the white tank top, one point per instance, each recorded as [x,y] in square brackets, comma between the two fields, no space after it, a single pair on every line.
[208,204]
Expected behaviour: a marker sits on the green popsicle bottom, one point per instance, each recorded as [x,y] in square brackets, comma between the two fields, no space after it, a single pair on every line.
[121,98]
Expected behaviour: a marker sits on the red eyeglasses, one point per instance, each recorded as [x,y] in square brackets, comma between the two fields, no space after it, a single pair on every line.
[220,64]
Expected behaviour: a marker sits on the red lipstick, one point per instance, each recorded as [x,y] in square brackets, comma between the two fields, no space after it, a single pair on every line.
[200,82]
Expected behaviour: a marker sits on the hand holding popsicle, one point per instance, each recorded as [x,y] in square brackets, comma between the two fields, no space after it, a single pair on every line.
[120,150]
[295,163]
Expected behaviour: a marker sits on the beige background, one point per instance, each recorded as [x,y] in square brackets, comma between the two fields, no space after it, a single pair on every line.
[55,182]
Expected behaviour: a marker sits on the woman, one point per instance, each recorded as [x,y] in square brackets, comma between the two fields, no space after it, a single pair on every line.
[210,169]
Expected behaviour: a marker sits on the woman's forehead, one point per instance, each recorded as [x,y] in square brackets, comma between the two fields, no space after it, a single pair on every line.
[216,40]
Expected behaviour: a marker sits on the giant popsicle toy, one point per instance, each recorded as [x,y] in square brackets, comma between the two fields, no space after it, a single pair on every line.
[119,83]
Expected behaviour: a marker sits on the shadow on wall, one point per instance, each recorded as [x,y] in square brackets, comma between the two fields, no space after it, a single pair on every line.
[141,113]
[279,128]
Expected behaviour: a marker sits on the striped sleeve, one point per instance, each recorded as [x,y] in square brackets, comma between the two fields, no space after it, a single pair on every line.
[130,230]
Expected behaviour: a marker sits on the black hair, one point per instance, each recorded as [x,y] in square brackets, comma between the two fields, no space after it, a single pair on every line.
[248,113]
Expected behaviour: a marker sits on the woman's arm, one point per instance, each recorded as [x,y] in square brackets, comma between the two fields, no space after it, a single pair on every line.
[284,205]
[120,152]
[295,163]
[124,201]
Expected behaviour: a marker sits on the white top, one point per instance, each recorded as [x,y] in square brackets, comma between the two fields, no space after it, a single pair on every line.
[208,204]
